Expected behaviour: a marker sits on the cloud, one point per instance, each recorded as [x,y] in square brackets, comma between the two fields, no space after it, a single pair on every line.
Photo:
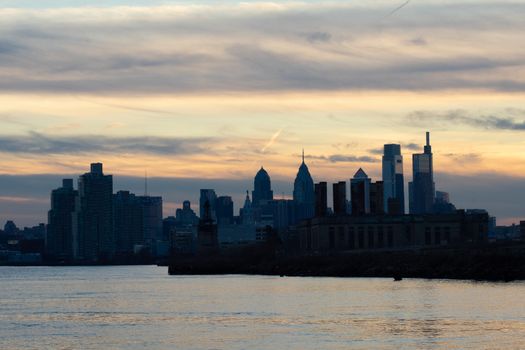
[484,121]
[315,37]
[467,158]
[254,47]
[272,140]
[340,158]
[37,143]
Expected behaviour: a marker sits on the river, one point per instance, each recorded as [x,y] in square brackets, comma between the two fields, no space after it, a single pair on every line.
[138,307]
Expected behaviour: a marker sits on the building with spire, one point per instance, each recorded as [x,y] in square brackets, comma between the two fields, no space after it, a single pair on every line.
[262,188]
[422,188]
[393,180]
[304,193]
[246,212]
[360,193]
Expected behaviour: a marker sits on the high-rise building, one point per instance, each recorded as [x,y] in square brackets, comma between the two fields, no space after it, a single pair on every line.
[303,193]
[151,219]
[208,195]
[128,225]
[185,216]
[224,210]
[339,198]
[262,188]
[377,203]
[282,212]
[360,193]
[207,232]
[93,234]
[321,199]
[422,188]
[59,237]
[393,179]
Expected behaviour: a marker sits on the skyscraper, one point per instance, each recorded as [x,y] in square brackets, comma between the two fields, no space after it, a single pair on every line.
[321,198]
[93,234]
[224,210]
[151,219]
[339,197]
[303,193]
[59,237]
[208,195]
[393,179]
[127,211]
[262,188]
[360,193]
[422,188]
[377,203]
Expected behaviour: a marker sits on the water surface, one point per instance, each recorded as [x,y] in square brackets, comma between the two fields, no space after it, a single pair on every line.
[142,307]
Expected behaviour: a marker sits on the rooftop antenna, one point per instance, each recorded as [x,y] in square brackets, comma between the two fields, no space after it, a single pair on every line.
[303,154]
[145,182]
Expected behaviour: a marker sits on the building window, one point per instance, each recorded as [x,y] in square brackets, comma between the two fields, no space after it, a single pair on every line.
[390,238]
[331,233]
[408,234]
[447,234]
[370,237]
[361,237]
[351,238]
[428,236]
[380,237]
[341,233]
[437,235]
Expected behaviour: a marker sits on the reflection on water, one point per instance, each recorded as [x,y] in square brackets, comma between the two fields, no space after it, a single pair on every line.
[142,307]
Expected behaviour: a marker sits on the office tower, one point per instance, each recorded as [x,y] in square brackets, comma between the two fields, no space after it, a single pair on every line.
[393,179]
[422,186]
[303,193]
[208,195]
[282,213]
[224,210]
[321,199]
[185,216]
[442,197]
[442,204]
[262,188]
[59,237]
[522,229]
[339,197]
[360,193]
[377,203]
[207,233]
[151,219]
[128,225]
[93,234]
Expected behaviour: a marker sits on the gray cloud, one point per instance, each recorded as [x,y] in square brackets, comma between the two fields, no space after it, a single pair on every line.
[314,37]
[485,121]
[340,158]
[467,158]
[257,48]
[36,143]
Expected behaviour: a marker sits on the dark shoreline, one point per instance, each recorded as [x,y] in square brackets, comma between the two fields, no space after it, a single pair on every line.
[487,263]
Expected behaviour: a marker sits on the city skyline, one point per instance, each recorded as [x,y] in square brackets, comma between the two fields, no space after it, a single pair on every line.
[339,79]
[238,198]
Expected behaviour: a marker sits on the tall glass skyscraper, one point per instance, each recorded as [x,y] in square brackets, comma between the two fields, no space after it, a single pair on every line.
[393,180]
[422,188]
[304,193]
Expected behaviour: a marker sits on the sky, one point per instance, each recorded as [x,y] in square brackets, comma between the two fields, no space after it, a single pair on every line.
[202,94]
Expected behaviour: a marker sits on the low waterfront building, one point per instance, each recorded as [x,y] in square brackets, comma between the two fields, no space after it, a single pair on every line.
[347,233]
